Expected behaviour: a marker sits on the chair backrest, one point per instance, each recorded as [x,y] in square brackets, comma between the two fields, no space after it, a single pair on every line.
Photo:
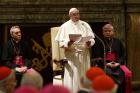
[57,52]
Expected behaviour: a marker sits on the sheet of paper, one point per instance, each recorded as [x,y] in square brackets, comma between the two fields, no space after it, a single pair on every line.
[75,37]
[85,39]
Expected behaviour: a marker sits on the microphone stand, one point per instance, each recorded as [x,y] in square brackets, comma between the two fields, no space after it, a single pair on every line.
[104,59]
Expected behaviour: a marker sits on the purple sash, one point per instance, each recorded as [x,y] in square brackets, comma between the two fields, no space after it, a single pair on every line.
[111,56]
[18,60]
[128,77]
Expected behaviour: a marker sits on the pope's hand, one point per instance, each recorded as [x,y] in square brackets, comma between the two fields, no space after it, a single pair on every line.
[88,43]
[70,43]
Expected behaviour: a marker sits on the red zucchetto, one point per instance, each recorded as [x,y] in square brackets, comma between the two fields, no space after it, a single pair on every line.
[4,72]
[93,72]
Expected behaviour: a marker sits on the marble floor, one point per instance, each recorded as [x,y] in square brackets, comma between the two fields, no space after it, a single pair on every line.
[57,80]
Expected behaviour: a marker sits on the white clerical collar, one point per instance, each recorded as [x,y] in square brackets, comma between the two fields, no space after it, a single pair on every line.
[75,23]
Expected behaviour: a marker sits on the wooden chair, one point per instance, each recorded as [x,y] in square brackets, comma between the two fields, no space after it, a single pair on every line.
[57,54]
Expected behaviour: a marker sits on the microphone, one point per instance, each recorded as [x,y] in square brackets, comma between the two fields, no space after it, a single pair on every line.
[104,59]
[104,50]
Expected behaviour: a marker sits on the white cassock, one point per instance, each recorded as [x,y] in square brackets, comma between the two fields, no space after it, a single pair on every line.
[78,62]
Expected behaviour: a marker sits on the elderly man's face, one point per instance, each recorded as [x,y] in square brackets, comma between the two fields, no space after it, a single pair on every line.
[108,32]
[16,34]
[75,16]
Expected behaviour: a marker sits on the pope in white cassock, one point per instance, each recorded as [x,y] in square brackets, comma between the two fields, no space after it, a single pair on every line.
[77,54]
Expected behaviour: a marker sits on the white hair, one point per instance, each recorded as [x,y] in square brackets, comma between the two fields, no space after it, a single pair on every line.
[32,78]
[73,10]
[106,26]
[12,29]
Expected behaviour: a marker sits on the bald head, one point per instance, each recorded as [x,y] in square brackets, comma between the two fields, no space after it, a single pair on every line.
[32,78]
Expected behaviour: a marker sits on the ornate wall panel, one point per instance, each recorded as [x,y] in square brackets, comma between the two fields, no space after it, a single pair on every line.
[45,11]
[133,36]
